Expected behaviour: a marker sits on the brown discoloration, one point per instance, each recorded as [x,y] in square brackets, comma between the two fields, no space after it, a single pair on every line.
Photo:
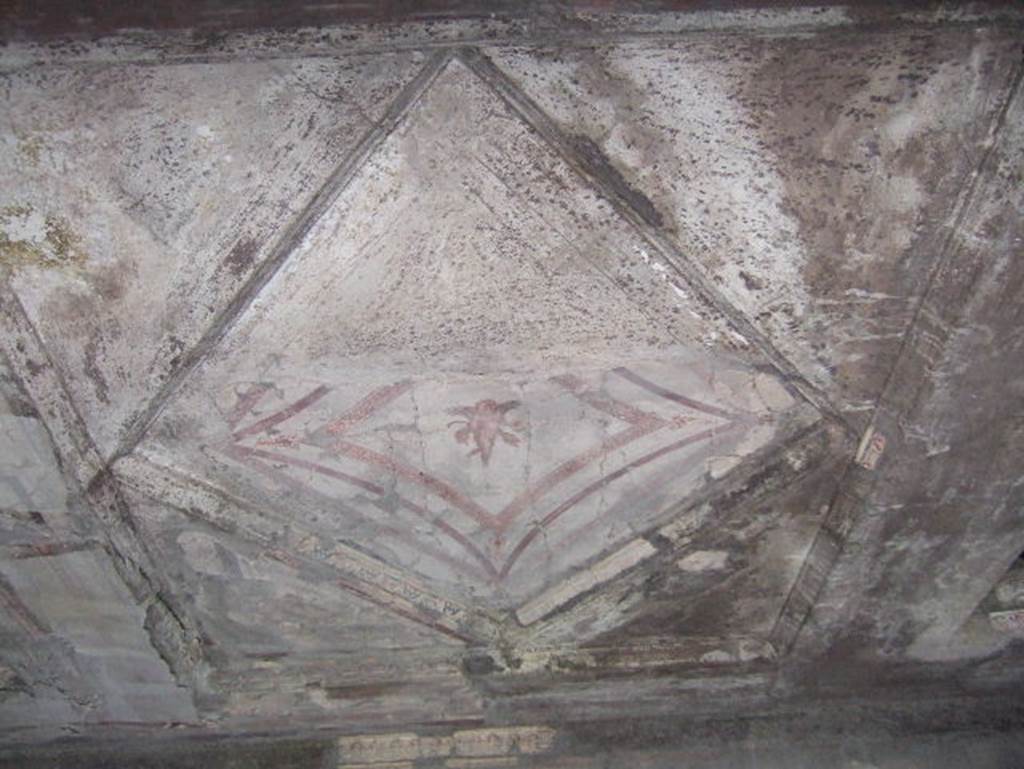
[111,282]
[871,157]
[28,238]
[241,259]
[803,175]
[599,163]
[47,549]
[92,370]
[31,147]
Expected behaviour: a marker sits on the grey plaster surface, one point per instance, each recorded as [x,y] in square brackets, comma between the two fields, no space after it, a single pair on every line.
[461,384]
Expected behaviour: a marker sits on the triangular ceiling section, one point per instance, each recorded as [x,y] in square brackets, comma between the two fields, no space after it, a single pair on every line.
[813,209]
[131,193]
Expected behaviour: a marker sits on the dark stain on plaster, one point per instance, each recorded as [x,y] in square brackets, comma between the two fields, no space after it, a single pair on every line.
[171,639]
[241,258]
[634,123]
[599,164]
[480,664]
[18,402]
[108,281]
[752,282]
[363,691]
[12,684]
[672,601]
[865,167]
[174,348]
[34,368]
[826,137]
[94,348]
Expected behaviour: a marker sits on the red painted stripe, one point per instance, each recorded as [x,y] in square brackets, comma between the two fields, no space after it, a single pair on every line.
[373,488]
[286,413]
[419,511]
[362,410]
[667,474]
[572,466]
[448,493]
[247,402]
[601,402]
[576,498]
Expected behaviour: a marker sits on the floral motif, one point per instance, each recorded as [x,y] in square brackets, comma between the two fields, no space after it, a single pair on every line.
[485,422]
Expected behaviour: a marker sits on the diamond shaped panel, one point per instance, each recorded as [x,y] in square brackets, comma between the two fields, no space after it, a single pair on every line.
[472,367]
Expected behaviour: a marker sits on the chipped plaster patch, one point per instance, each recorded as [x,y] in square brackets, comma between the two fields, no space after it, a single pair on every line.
[624,558]
[772,393]
[462,748]
[717,656]
[871,448]
[719,466]
[704,560]
[1010,622]
[30,479]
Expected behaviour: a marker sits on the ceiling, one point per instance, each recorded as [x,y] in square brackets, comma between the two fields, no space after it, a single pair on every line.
[480,370]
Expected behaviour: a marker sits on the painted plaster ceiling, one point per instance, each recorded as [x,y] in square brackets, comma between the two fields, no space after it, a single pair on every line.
[472,367]
[328,368]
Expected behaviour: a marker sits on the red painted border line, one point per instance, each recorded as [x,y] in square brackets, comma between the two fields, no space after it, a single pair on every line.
[609,405]
[448,493]
[550,518]
[642,424]
[633,500]
[330,472]
[246,403]
[286,413]
[572,466]
[380,491]
[22,551]
[364,408]
[242,454]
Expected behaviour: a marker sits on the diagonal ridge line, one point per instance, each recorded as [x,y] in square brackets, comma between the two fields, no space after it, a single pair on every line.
[287,242]
[59,414]
[961,208]
[594,172]
[577,614]
[812,579]
[216,507]
[611,406]
[682,400]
